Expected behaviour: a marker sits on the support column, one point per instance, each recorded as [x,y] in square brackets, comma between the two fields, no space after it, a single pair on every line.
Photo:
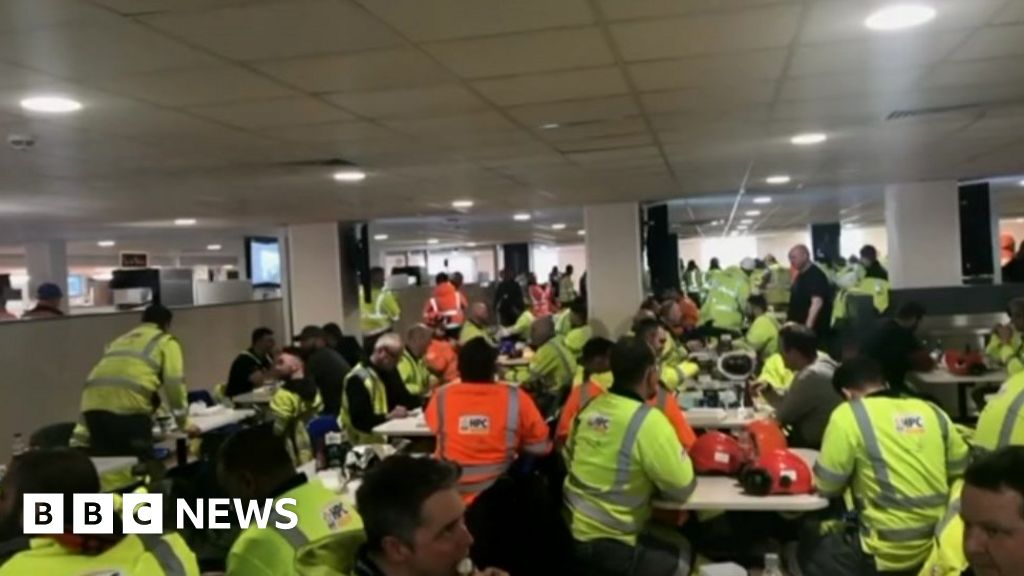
[322,279]
[378,255]
[47,262]
[922,222]
[614,267]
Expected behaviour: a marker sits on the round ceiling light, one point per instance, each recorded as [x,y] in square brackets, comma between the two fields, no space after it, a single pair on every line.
[899,17]
[51,104]
[462,204]
[763,200]
[521,217]
[778,179]
[808,139]
[350,176]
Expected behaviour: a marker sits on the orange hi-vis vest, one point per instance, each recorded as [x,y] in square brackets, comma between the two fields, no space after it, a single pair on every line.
[665,401]
[442,360]
[448,306]
[482,427]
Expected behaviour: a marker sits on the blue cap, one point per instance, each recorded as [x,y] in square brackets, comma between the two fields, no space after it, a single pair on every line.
[49,291]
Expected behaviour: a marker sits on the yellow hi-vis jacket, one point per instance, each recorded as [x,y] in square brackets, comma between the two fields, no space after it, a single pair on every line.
[779,284]
[471,331]
[553,367]
[133,555]
[674,376]
[291,416]
[414,373]
[127,379]
[378,399]
[576,338]
[948,557]
[563,322]
[272,551]
[726,300]
[1001,422]
[1010,354]
[621,453]
[763,335]
[521,328]
[898,456]
[380,313]
[775,373]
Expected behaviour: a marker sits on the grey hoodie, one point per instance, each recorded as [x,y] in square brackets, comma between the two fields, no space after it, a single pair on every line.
[808,404]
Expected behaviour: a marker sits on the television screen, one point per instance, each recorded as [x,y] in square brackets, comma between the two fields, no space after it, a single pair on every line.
[76,286]
[264,260]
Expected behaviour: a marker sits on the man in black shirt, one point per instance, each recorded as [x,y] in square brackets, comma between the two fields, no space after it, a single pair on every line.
[347,346]
[896,348]
[810,298]
[869,260]
[325,366]
[253,367]
[382,365]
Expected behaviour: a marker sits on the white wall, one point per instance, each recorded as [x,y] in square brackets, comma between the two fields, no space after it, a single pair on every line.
[614,269]
[923,220]
[730,251]
[545,257]
[314,275]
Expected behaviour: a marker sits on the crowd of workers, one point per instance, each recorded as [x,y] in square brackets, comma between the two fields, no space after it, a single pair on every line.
[563,449]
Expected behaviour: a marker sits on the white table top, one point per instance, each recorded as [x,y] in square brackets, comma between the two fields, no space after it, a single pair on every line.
[261,395]
[412,426]
[105,464]
[209,422]
[723,493]
[506,362]
[331,479]
[941,375]
[717,418]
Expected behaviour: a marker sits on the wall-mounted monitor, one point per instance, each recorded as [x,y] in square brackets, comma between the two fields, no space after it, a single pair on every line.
[76,286]
[263,261]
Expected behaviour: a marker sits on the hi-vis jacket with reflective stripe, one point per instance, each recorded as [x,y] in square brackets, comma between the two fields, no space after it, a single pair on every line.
[1011,353]
[1001,422]
[132,370]
[414,373]
[380,313]
[134,555]
[553,366]
[378,399]
[726,299]
[674,376]
[898,456]
[291,416]
[621,453]
[763,335]
[948,557]
[483,427]
[272,551]
[471,331]
[775,373]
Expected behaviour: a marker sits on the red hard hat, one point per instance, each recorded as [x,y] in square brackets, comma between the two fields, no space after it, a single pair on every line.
[717,453]
[764,436]
[778,472]
[964,363]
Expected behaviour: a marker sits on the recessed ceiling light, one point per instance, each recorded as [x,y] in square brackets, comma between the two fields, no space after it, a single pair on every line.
[471,245]
[763,200]
[581,232]
[747,221]
[778,179]
[521,217]
[462,204]
[809,139]
[752,213]
[350,176]
[213,247]
[380,236]
[1021,183]
[51,104]
[431,240]
[550,126]
[185,222]
[899,17]
[106,243]
[558,226]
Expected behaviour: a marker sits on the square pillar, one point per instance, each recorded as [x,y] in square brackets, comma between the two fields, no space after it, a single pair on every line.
[614,266]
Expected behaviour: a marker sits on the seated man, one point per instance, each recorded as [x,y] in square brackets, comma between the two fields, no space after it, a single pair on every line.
[481,424]
[619,456]
[253,367]
[68,472]
[412,367]
[992,509]
[1006,346]
[598,379]
[579,331]
[414,520]
[553,366]
[253,465]
[294,405]
[1001,422]
[895,346]
[373,393]
[806,407]
[763,334]
[478,325]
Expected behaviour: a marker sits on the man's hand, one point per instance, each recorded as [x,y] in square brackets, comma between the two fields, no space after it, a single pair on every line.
[1004,332]
[398,412]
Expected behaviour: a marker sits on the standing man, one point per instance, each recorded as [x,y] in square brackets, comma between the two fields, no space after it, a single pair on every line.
[324,365]
[373,393]
[253,367]
[381,313]
[567,287]
[1006,346]
[123,390]
[809,402]
[810,298]
[412,367]
[872,267]
[619,455]
[446,306]
[899,457]
[48,299]
[508,296]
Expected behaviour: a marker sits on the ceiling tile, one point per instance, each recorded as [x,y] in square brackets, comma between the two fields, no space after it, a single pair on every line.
[697,99]
[84,50]
[199,86]
[596,128]
[730,69]
[835,85]
[552,87]
[427,101]
[772,27]
[26,14]
[333,132]
[840,20]
[463,124]
[631,9]
[1012,13]
[877,54]
[17,76]
[537,115]
[374,70]
[447,19]
[137,7]
[976,72]
[992,42]
[524,53]
[605,142]
[269,113]
[278,30]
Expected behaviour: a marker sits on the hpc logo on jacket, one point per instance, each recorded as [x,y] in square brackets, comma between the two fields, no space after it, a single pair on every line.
[909,424]
[599,423]
[475,424]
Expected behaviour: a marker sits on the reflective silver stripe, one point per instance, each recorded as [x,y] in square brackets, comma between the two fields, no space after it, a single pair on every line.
[905,534]
[622,465]
[122,383]
[512,423]
[958,466]
[584,393]
[943,424]
[1010,420]
[152,344]
[538,447]
[618,498]
[585,507]
[563,357]
[829,476]
[294,537]
[133,355]
[682,494]
[951,513]
[889,497]
[166,557]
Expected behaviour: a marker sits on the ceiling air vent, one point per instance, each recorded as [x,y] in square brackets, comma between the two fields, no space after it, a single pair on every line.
[919,112]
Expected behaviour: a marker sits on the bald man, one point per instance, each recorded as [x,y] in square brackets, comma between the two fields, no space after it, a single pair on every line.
[411,367]
[810,298]
[478,325]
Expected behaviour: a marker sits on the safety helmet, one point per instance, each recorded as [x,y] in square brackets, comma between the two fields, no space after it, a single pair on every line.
[849,277]
[762,437]
[964,363]
[778,472]
[736,365]
[716,453]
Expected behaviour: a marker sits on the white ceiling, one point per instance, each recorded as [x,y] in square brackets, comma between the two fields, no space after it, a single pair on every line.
[197,107]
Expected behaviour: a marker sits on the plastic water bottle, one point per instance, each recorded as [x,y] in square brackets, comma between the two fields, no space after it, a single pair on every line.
[772,566]
[18,446]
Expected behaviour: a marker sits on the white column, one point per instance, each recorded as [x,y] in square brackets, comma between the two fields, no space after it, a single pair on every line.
[614,266]
[922,222]
[47,262]
[314,274]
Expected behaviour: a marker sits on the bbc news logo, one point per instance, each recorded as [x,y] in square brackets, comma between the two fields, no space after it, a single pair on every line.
[144,513]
